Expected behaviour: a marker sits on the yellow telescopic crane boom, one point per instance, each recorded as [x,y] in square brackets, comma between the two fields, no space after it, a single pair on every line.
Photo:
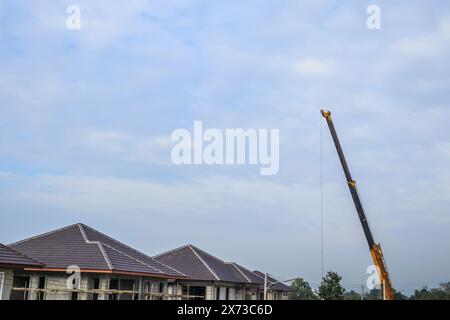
[375,248]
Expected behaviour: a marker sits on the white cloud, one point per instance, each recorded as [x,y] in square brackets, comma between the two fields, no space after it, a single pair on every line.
[419,47]
[443,148]
[202,197]
[105,140]
[427,44]
[125,146]
[444,27]
[313,67]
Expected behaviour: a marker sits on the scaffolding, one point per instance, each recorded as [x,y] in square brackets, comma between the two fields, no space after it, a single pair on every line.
[148,295]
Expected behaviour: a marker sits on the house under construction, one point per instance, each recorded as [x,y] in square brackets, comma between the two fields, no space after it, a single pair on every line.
[80,263]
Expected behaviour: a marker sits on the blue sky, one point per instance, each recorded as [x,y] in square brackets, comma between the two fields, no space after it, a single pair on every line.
[86,118]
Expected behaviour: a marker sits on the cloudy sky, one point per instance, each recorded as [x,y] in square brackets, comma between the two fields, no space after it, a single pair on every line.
[86,118]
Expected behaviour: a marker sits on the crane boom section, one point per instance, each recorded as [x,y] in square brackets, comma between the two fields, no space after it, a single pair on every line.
[375,249]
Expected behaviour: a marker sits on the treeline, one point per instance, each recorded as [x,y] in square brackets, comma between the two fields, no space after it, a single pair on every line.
[332,289]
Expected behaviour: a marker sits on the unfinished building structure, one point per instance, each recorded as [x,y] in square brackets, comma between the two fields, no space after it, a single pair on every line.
[11,263]
[214,279]
[80,263]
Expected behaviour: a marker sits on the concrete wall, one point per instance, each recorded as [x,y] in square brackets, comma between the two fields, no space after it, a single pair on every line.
[252,294]
[236,291]
[153,285]
[284,296]
[52,281]
[277,295]
[5,283]
[56,285]
[233,292]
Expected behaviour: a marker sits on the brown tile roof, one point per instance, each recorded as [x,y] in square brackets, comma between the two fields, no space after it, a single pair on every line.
[273,283]
[89,249]
[252,277]
[12,258]
[187,261]
[200,265]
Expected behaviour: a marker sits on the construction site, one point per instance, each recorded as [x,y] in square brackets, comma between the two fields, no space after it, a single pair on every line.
[78,262]
[195,152]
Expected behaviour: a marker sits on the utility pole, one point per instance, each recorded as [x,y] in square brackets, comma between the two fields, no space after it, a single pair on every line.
[265,286]
[362,292]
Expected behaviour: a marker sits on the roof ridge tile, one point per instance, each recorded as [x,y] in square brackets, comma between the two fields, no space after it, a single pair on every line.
[208,254]
[170,251]
[132,249]
[123,253]
[239,270]
[100,245]
[117,241]
[206,265]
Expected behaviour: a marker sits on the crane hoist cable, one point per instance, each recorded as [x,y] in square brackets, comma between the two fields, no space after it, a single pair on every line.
[321,199]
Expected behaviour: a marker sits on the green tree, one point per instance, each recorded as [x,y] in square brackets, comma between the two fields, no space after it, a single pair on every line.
[399,296]
[330,288]
[374,294]
[430,294]
[446,287]
[377,294]
[302,290]
[352,295]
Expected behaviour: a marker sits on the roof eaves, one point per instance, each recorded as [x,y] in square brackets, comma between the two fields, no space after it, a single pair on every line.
[272,280]
[23,255]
